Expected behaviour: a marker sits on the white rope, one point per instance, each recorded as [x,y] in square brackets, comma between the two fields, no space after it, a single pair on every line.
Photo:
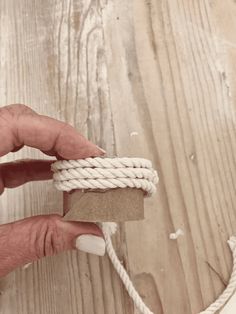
[100,162]
[69,185]
[231,287]
[117,173]
[107,228]
[100,173]
[109,173]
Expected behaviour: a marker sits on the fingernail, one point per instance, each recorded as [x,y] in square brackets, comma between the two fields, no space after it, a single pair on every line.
[26,266]
[91,244]
[101,149]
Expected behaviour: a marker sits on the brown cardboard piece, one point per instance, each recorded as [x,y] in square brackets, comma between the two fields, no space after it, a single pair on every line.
[109,205]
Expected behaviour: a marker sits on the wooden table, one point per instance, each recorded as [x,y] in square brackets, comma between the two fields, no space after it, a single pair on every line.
[154,79]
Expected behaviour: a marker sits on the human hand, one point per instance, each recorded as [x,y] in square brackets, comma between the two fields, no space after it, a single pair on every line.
[32,238]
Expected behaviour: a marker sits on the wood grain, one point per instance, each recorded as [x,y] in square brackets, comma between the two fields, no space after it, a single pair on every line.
[145,78]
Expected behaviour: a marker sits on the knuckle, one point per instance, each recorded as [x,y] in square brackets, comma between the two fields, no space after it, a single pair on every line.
[9,175]
[48,240]
[18,109]
[7,113]
[10,116]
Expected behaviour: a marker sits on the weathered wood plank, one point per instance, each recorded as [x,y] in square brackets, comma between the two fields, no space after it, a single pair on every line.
[139,78]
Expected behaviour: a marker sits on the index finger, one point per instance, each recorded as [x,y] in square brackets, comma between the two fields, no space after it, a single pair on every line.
[19,125]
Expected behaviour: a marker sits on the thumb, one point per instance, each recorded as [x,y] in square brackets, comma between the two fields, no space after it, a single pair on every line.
[32,238]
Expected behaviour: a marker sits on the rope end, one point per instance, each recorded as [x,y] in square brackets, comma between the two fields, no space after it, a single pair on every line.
[109,227]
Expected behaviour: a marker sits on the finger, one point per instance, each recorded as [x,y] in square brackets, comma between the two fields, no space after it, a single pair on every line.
[32,238]
[19,125]
[19,172]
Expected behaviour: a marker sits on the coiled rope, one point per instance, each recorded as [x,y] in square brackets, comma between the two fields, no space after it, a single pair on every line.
[105,173]
[109,173]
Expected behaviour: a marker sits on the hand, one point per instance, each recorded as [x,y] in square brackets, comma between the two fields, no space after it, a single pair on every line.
[32,238]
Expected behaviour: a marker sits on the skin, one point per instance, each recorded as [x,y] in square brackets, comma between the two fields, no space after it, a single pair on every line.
[32,238]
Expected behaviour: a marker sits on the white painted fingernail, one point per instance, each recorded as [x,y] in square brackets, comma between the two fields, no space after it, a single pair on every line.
[101,149]
[91,244]
[26,266]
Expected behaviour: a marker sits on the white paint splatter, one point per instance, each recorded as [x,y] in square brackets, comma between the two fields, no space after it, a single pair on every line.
[175,235]
[192,157]
[134,133]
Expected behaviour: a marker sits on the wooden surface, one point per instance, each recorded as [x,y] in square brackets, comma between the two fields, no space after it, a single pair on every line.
[144,78]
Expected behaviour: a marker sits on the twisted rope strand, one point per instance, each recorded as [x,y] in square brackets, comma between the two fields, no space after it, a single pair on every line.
[99,162]
[100,173]
[231,287]
[141,306]
[69,185]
